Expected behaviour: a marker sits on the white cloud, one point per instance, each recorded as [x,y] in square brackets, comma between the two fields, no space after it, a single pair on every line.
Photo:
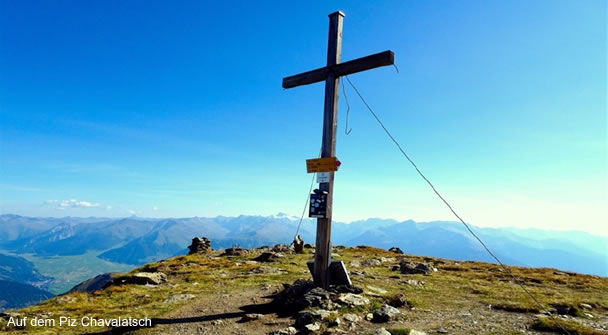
[154,208]
[132,212]
[72,203]
[108,207]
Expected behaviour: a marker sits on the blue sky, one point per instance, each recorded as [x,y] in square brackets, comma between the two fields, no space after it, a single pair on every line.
[164,109]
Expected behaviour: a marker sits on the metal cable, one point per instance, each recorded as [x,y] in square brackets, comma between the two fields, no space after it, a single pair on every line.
[346,130]
[517,281]
[312,182]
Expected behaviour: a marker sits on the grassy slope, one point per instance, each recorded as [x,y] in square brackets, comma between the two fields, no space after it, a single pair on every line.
[454,286]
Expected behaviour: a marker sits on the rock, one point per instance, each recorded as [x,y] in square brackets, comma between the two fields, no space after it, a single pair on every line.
[381,331]
[355,264]
[416,332]
[142,278]
[369,316]
[407,267]
[442,331]
[251,317]
[308,317]
[234,251]
[385,313]
[377,290]
[398,300]
[269,256]
[313,327]
[586,306]
[351,317]
[314,297]
[347,289]
[217,322]
[351,300]
[396,250]
[336,322]
[289,298]
[285,331]
[308,246]
[562,309]
[199,245]
[281,248]
[413,282]
[371,262]
[589,315]
[298,245]
[178,297]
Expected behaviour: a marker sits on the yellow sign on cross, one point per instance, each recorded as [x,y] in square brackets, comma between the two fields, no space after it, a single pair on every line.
[325,164]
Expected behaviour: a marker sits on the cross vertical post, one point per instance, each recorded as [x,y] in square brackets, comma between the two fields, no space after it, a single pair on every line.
[331,74]
[328,149]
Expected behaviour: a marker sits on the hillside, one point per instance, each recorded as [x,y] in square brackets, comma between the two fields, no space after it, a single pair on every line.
[15,295]
[215,293]
[18,269]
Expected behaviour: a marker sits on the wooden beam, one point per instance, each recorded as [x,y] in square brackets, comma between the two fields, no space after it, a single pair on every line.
[328,149]
[356,65]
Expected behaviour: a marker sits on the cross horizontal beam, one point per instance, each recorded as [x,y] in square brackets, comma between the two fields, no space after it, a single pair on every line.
[356,65]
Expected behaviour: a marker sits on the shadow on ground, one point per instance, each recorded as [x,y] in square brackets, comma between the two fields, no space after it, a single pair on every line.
[267,308]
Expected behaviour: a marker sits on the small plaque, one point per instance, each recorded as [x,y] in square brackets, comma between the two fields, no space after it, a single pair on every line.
[322,177]
[318,205]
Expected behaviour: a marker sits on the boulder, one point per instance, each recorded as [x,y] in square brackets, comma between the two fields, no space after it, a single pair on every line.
[407,267]
[313,298]
[351,317]
[352,300]
[346,289]
[385,313]
[269,256]
[300,295]
[281,248]
[382,331]
[397,300]
[371,262]
[234,251]
[142,278]
[285,331]
[313,327]
[396,250]
[308,317]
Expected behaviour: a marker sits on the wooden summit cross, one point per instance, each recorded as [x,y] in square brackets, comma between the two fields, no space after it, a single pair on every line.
[331,75]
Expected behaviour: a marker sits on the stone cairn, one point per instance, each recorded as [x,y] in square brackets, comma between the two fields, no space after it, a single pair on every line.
[298,245]
[199,245]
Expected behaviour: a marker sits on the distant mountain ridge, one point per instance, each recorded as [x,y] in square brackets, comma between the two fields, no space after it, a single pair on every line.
[138,240]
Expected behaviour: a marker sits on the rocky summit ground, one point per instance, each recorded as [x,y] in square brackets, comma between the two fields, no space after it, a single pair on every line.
[267,291]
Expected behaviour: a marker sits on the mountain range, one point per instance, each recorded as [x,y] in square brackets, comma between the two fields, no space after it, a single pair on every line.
[135,241]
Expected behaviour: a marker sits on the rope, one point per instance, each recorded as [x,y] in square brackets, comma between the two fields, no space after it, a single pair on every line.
[517,281]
